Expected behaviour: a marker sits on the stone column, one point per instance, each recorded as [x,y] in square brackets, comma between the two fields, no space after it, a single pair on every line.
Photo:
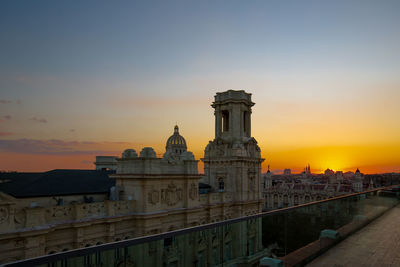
[218,122]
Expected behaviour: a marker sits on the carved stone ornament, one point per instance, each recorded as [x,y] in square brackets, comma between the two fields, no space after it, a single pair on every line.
[193,191]
[171,195]
[173,159]
[3,214]
[20,217]
[153,197]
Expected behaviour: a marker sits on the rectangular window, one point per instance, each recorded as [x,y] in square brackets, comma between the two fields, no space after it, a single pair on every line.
[225,120]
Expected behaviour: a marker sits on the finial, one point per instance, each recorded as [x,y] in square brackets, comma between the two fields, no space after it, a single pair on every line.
[176,129]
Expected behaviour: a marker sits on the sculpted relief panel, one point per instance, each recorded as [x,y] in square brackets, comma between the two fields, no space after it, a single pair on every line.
[154,196]
[20,218]
[170,195]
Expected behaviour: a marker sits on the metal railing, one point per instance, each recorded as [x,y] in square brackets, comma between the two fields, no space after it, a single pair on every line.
[244,240]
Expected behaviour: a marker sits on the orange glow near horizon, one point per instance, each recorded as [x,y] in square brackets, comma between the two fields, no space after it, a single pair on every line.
[370,159]
[290,134]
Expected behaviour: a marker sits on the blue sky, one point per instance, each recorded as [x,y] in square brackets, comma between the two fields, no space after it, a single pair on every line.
[129,70]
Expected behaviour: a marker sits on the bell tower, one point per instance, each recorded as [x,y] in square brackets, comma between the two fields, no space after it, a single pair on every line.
[232,115]
[232,161]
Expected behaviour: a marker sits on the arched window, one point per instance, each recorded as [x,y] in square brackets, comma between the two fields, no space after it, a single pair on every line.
[221,185]
[225,121]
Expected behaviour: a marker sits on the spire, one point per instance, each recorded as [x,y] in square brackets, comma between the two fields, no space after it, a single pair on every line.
[268,169]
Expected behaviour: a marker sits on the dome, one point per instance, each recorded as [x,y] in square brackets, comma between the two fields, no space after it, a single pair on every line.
[176,143]
[129,153]
[147,152]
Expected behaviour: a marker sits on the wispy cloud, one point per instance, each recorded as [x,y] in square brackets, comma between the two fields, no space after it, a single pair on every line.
[6,133]
[58,147]
[41,120]
[5,101]
[7,117]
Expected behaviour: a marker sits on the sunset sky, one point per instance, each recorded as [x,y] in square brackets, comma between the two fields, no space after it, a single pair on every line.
[86,78]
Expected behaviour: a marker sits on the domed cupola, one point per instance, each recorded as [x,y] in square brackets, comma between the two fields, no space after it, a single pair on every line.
[176,143]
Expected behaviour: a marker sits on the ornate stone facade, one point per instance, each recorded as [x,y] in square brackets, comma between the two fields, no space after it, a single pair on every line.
[289,191]
[154,195]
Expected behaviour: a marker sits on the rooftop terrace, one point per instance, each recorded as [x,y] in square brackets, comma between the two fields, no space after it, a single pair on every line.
[377,244]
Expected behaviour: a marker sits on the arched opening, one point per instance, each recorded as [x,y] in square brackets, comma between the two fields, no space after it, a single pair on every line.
[225,120]
[221,185]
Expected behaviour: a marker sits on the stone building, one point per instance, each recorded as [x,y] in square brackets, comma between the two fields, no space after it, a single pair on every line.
[289,191]
[106,163]
[146,195]
[358,181]
[232,161]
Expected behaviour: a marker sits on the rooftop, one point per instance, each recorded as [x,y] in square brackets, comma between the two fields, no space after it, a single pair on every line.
[55,183]
[377,244]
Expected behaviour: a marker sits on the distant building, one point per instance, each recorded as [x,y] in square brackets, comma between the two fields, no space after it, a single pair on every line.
[306,174]
[348,175]
[339,176]
[287,172]
[358,181]
[292,194]
[104,163]
[329,172]
[268,179]
[307,170]
[298,190]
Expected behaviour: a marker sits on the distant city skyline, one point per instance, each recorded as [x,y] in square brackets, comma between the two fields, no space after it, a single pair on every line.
[84,79]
